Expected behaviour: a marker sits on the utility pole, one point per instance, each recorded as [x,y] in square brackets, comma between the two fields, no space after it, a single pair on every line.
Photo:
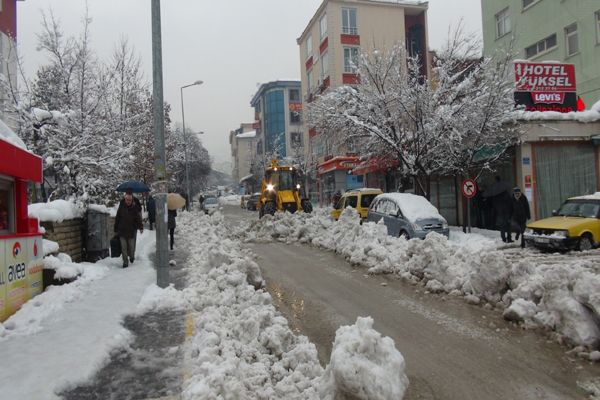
[162,250]
[186,144]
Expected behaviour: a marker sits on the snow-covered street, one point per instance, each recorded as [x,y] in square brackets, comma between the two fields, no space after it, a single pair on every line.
[325,327]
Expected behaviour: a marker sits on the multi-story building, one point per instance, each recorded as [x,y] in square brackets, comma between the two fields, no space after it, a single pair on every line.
[8,56]
[278,112]
[329,50]
[243,154]
[567,31]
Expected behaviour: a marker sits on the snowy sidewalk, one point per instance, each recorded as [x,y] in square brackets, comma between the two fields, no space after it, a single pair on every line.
[63,336]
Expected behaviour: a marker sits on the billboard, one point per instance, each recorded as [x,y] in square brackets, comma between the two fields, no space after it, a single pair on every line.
[21,265]
[545,86]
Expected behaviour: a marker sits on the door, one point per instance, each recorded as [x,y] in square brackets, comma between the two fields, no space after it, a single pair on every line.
[563,171]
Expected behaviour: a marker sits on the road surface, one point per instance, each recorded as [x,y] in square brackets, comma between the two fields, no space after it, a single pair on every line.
[453,350]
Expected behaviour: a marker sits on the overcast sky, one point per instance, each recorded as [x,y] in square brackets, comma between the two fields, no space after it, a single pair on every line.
[231,45]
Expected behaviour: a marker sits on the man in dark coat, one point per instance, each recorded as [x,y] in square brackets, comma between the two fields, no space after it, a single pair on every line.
[151,206]
[502,204]
[172,214]
[520,213]
[127,221]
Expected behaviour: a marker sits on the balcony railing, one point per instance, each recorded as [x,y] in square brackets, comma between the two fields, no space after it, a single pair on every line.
[347,30]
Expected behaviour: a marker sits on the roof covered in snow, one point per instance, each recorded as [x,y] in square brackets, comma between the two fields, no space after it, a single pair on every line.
[413,207]
[246,135]
[9,136]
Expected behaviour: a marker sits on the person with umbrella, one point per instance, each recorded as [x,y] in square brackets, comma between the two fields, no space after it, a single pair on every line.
[127,221]
[174,202]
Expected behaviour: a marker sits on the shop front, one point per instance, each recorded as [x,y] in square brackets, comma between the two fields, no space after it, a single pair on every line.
[379,173]
[21,244]
[335,175]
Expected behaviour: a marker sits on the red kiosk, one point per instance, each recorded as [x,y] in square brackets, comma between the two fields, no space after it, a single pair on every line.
[21,251]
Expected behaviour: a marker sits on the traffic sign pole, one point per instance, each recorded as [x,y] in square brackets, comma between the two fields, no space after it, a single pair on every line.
[469,190]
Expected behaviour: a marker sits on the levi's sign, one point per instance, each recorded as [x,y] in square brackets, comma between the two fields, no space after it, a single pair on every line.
[545,77]
[549,98]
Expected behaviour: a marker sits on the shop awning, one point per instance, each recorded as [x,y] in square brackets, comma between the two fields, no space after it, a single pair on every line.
[375,164]
[489,152]
[19,163]
[246,178]
[338,163]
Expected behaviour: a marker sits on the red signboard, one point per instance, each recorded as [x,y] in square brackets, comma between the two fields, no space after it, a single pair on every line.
[545,77]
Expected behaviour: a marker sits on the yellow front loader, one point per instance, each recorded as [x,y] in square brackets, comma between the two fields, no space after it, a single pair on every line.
[280,191]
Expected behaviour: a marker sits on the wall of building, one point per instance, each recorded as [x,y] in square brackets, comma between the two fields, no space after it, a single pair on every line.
[542,19]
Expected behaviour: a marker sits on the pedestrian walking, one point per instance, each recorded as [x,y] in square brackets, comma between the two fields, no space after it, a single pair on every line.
[138,207]
[336,198]
[171,225]
[503,208]
[151,206]
[520,214]
[127,221]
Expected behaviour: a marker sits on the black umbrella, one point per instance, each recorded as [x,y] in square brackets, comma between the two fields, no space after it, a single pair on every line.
[133,186]
[497,188]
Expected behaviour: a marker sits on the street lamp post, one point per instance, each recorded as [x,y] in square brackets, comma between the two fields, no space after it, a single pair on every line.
[187,172]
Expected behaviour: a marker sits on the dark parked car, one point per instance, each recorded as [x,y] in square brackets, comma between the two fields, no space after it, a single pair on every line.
[407,215]
[252,202]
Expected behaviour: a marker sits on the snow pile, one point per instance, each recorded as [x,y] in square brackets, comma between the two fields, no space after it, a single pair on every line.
[243,348]
[101,208]
[560,297]
[64,268]
[50,247]
[55,211]
[230,200]
[155,299]
[364,365]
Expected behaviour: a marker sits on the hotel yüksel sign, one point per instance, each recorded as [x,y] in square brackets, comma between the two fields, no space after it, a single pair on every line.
[545,86]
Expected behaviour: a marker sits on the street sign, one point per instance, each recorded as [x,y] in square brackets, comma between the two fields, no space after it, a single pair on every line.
[469,188]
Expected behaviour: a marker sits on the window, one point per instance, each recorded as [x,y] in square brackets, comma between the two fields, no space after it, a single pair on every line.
[541,46]
[349,21]
[351,201]
[309,49]
[7,210]
[366,199]
[295,117]
[309,81]
[502,23]
[571,40]
[296,139]
[325,65]
[294,96]
[597,15]
[350,60]
[527,3]
[323,26]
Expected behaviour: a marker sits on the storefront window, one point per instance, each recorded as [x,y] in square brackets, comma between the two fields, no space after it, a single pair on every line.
[6,206]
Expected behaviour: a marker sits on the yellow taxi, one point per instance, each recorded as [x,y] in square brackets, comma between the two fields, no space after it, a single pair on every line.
[360,199]
[576,225]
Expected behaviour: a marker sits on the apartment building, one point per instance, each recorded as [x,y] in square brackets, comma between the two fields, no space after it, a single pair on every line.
[278,112]
[567,31]
[8,56]
[329,48]
[243,154]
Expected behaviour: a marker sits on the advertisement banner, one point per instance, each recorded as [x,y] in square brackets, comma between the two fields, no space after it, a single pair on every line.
[3,311]
[545,77]
[17,290]
[35,266]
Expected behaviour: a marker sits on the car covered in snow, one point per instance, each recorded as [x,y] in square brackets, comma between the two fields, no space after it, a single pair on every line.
[575,225]
[407,215]
[359,199]
[210,205]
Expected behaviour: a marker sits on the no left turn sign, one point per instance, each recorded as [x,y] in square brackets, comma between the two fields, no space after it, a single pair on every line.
[469,188]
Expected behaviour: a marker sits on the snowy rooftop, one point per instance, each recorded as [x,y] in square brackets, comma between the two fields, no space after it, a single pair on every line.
[595,196]
[245,135]
[9,136]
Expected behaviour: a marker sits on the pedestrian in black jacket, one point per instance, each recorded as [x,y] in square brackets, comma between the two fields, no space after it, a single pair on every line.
[172,214]
[127,221]
[151,206]
[520,213]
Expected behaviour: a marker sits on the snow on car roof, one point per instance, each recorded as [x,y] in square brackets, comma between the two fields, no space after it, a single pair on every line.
[364,190]
[595,196]
[413,207]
